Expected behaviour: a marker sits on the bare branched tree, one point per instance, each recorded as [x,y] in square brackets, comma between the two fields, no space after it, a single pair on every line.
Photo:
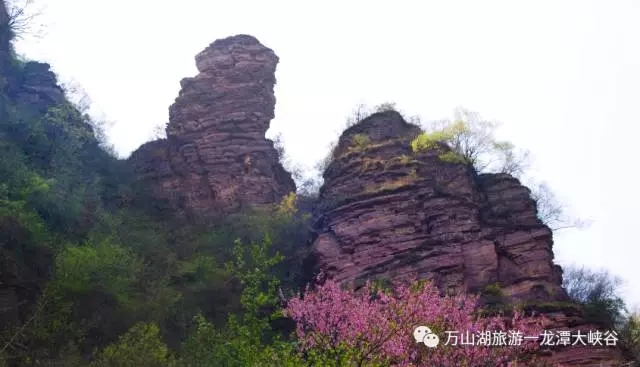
[511,161]
[359,113]
[473,139]
[77,95]
[362,111]
[83,103]
[295,169]
[278,144]
[159,132]
[600,291]
[469,136]
[583,284]
[551,211]
[322,165]
[415,120]
[310,187]
[21,18]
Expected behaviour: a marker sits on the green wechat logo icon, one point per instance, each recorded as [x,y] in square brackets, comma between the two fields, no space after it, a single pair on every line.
[423,334]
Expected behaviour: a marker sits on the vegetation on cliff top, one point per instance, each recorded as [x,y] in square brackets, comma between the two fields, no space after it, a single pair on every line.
[96,273]
[466,139]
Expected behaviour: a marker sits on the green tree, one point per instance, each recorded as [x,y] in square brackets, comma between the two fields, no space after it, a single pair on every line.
[140,346]
[630,336]
[599,292]
[472,140]
[247,339]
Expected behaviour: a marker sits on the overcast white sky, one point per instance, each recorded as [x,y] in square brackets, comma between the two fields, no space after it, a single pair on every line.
[562,76]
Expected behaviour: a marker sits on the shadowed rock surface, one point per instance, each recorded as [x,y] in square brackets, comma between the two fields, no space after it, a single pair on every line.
[387,212]
[37,87]
[216,156]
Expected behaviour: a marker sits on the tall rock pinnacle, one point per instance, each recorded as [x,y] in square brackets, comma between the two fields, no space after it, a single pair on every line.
[216,156]
[232,93]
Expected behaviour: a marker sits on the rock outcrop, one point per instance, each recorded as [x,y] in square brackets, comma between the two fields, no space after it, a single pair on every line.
[391,212]
[37,86]
[385,211]
[33,82]
[216,157]
[34,87]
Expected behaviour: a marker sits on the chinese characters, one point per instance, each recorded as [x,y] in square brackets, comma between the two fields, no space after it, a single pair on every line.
[546,338]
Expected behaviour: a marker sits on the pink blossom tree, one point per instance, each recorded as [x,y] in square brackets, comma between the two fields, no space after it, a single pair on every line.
[375,327]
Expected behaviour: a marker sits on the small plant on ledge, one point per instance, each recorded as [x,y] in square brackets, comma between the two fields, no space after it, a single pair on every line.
[359,142]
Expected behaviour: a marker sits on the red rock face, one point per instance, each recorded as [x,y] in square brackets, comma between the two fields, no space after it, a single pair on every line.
[216,157]
[385,211]
[391,212]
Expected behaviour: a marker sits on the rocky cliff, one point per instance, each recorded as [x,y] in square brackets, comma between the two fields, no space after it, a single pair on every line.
[31,83]
[384,210]
[390,212]
[34,88]
[387,212]
[216,157]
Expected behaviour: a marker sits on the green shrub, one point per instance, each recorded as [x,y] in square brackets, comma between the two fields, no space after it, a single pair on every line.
[494,299]
[140,346]
[598,292]
[434,140]
[105,266]
[360,142]
[247,338]
[630,337]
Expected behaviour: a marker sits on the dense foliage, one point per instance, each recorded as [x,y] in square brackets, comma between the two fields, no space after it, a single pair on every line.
[599,294]
[374,326]
[96,273]
[111,278]
[93,270]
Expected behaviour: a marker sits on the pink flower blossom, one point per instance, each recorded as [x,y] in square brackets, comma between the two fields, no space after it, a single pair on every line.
[380,325]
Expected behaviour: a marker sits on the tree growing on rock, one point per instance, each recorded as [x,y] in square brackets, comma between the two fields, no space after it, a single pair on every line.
[551,211]
[472,140]
[598,291]
[82,102]
[374,326]
[359,113]
[599,294]
[158,132]
[19,19]
[630,336]
[294,168]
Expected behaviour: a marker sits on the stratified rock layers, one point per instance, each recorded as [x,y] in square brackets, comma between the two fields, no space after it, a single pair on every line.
[391,212]
[216,157]
[385,211]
